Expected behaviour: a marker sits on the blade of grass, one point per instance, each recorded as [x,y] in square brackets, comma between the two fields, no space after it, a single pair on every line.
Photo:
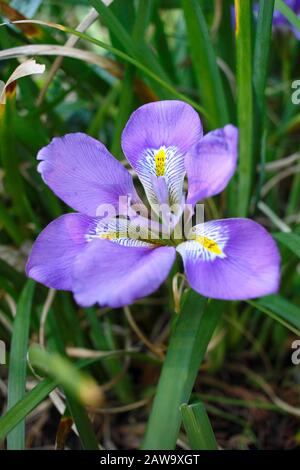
[11,419]
[113,366]
[198,428]
[288,13]
[83,424]
[290,240]
[34,50]
[165,53]
[125,13]
[17,363]
[139,51]
[261,51]
[9,156]
[243,10]
[205,64]
[189,340]
[8,223]
[127,93]
[260,67]
[16,278]
[280,310]
[219,399]
[32,399]
[108,101]
[79,385]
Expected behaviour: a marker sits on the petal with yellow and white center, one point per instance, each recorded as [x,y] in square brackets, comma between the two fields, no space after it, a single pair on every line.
[121,231]
[155,141]
[231,259]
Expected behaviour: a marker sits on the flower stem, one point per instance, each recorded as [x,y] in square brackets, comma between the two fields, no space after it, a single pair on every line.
[188,343]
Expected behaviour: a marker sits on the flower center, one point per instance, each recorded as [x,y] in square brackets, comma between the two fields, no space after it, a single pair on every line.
[160,162]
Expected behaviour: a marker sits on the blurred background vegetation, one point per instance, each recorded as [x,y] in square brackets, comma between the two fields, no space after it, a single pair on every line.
[107,362]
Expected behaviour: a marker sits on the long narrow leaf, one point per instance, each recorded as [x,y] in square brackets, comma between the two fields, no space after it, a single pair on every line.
[205,64]
[11,419]
[290,240]
[261,50]
[17,362]
[83,424]
[80,386]
[288,13]
[31,400]
[198,427]
[186,350]
[280,310]
[245,103]
[25,50]
[139,51]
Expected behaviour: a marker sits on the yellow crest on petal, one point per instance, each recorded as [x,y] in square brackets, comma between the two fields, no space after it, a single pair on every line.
[209,244]
[160,162]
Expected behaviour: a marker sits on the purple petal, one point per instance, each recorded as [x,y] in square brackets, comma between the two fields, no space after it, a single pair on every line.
[240,260]
[115,275]
[155,141]
[52,257]
[82,172]
[211,163]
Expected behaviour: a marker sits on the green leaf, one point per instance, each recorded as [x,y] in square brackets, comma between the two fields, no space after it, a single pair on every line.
[139,51]
[18,362]
[198,428]
[189,340]
[83,424]
[290,240]
[281,310]
[127,92]
[10,159]
[9,421]
[10,225]
[261,50]
[263,39]
[288,13]
[205,64]
[32,399]
[128,58]
[102,340]
[244,103]
[79,385]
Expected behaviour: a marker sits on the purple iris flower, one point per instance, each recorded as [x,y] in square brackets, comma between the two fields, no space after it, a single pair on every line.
[96,258]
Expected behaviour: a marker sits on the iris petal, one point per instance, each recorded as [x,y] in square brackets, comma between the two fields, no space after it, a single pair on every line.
[211,163]
[115,275]
[155,141]
[231,259]
[53,253]
[82,172]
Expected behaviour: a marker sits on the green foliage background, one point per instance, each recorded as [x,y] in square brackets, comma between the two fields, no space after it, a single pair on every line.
[106,363]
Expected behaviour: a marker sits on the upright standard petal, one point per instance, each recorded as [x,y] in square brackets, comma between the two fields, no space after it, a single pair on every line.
[54,251]
[231,259]
[82,172]
[211,163]
[155,141]
[115,275]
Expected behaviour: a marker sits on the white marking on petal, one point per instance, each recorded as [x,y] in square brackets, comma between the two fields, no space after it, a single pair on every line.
[116,231]
[210,231]
[171,169]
